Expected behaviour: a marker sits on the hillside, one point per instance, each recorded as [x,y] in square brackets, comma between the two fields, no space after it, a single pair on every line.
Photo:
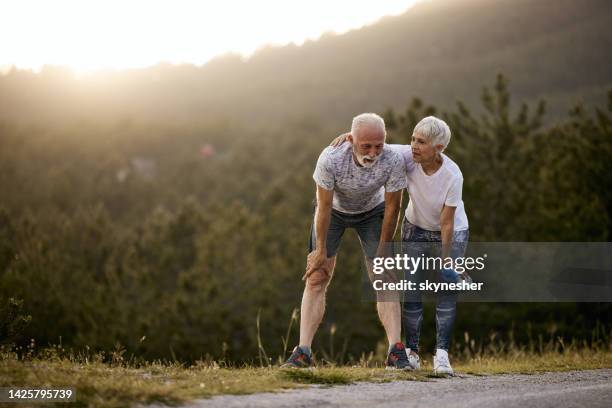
[440,51]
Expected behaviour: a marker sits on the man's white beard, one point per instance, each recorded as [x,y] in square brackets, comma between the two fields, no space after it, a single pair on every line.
[368,164]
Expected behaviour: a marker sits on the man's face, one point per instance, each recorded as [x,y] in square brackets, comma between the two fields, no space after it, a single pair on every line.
[368,144]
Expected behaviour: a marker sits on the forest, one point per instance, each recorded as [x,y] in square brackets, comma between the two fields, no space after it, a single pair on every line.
[185,242]
[165,211]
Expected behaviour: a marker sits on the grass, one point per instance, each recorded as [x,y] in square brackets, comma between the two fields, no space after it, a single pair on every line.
[525,363]
[119,383]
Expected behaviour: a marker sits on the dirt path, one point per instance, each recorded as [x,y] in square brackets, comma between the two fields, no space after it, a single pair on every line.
[591,389]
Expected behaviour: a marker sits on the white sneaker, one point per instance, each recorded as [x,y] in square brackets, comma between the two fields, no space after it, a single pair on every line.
[413,360]
[441,364]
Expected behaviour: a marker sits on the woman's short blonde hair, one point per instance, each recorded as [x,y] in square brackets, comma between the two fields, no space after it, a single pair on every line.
[434,130]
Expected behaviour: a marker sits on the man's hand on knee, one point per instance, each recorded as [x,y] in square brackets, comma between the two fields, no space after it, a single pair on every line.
[318,261]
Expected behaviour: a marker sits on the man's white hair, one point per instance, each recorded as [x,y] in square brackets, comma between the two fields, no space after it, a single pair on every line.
[434,130]
[368,120]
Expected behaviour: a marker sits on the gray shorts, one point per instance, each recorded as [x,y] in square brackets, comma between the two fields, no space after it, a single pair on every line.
[368,226]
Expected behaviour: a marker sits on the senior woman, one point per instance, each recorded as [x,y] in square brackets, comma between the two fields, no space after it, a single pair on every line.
[435,216]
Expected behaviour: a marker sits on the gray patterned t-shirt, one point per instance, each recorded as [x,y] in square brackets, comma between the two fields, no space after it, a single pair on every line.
[359,189]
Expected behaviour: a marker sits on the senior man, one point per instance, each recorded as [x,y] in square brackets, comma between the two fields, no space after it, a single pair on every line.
[359,185]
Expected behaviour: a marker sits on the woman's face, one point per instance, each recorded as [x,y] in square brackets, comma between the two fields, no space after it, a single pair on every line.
[422,149]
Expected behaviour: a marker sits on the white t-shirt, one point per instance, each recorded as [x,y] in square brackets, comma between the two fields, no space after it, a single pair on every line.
[428,194]
[359,189]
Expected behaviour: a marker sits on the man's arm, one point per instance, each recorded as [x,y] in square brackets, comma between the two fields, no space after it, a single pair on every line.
[447,228]
[316,259]
[393,203]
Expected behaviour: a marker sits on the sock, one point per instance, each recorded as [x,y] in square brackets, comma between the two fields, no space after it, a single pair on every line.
[306,350]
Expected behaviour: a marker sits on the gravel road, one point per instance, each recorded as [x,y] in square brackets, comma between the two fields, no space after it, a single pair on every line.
[591,389]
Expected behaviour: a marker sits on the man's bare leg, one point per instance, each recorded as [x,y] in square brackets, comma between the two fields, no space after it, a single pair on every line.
[388,307]
[313,302]
[390,316]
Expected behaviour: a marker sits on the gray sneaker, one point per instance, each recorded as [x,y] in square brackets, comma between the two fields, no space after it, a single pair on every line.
[298,359]
[397,358]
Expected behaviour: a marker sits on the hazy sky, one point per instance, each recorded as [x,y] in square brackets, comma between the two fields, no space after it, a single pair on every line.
[92,34]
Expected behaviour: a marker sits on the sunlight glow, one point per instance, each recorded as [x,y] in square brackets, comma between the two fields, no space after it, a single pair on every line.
[89,35]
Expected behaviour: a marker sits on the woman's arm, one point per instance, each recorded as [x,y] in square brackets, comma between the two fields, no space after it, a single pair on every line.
[447,228]
[340,139]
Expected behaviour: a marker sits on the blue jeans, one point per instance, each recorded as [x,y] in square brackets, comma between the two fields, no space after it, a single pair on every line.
[417,242]
[367,224]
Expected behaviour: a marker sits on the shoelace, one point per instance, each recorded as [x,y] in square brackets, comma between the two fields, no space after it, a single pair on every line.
[400,356]
[298,355]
